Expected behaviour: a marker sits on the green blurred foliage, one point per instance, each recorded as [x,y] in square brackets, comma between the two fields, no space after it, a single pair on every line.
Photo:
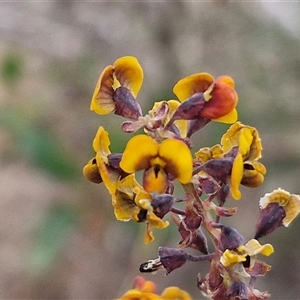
[39,146]
[52,233]
[11,69]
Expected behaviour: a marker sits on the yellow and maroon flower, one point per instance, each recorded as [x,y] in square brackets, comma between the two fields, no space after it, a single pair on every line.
[240,254]
[206,97]
[246,169]
[277,208]
[100,169]
[290,203]
[131,201]
[171,156]
[118,87]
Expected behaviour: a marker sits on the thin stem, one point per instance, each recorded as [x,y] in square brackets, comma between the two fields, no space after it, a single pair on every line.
[177,211]
[200,257]
[195,202]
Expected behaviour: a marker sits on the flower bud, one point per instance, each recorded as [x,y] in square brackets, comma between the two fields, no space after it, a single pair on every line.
[195,125]
[189,109]
[125,104]
[162,203]
[172,258]
[269,219]
[218,168]
[230,238]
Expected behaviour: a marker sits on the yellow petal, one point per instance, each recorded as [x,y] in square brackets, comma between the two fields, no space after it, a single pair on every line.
[245,140]
[124,198]
[101,142]
[129,185]
[278,196]
[230,257]
[102,101]
[173,105]
[135,294]
[246,137]
[192,84]
[236,176]
[206,153]
[149,237]
[174,293]
[155,179]
[253,247]
[153,220]
[124,206]
[292,209]
[109,177]
[129,73]
[252,178]
[138,152]
[91,171]
[182,125]
[229,118]
[290,203]
[178,158]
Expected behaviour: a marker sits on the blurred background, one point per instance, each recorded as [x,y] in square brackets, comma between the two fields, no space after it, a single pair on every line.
[59,238]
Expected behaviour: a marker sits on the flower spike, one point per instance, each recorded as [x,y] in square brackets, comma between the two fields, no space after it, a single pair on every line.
[162,152]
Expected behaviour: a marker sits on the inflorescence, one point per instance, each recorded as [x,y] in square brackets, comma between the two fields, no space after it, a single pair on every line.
[209,177]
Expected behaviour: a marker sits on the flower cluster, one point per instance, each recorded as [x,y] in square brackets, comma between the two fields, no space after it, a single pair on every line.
[209,177]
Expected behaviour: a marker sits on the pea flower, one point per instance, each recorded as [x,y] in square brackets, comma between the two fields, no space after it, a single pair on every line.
[104,167]
[203,96]
[118,87]
[240,253]
[171,156]
[277,208]
[244,143]
[131,201]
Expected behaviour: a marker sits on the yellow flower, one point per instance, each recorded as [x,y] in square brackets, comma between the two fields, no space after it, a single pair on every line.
[290,203]
[246,169]
[131,201]
[219,95]
[123,202]
[175,293]
[127,74]
[97,169]
[240,254]
[171,156]
[146,290]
